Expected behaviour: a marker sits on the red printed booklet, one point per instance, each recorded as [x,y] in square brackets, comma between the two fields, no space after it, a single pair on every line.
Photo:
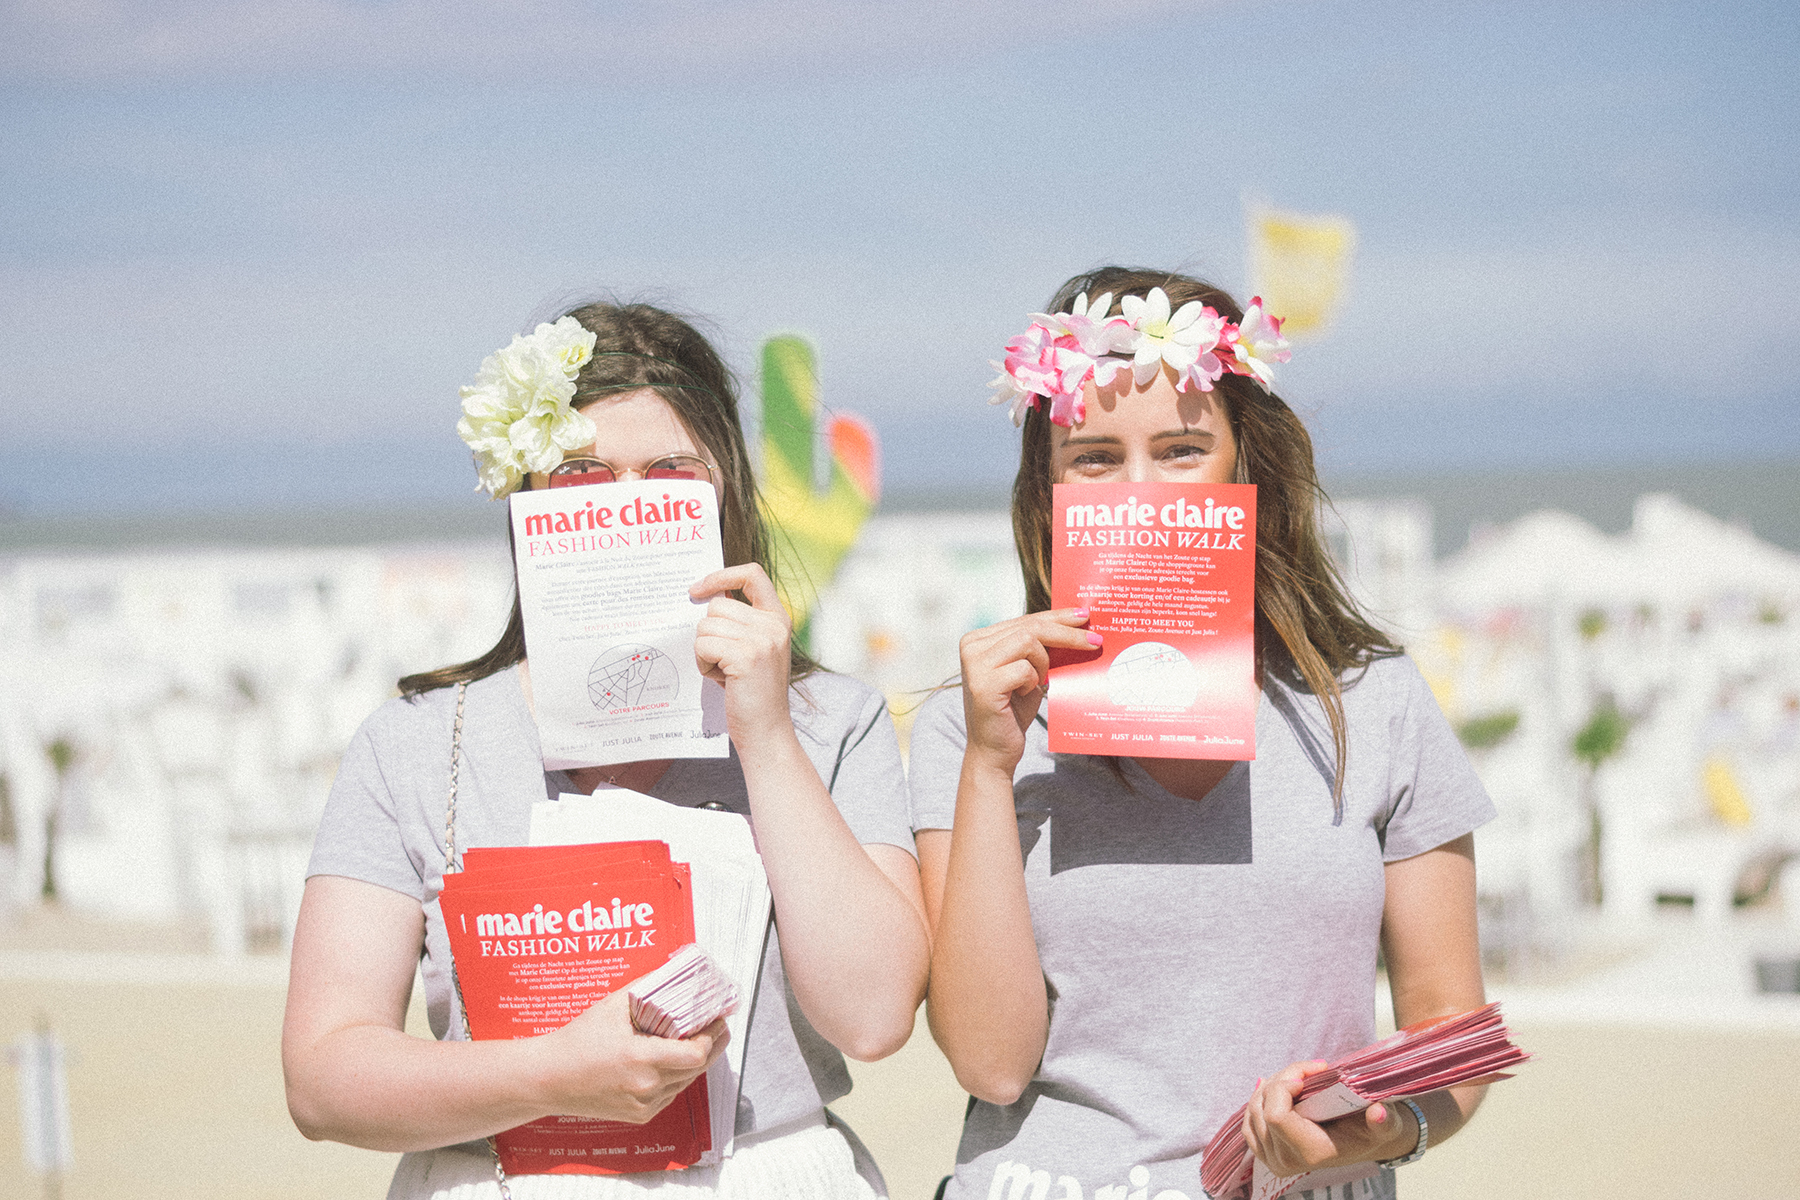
[538,934]
[1471,1047]
[1167,572]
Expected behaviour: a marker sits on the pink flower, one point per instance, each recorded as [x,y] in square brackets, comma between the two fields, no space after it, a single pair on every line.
[1031,360]
[1068,409]
[1044,363]
[1257,342]
[1106,368]
[1207,366]
[1094,332]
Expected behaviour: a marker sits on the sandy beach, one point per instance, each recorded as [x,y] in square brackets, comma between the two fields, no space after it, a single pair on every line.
[175,1091]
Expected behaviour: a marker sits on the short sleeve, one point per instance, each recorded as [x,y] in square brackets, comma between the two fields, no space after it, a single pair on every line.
[859,759]
[935,759]
[1434,794]
[359,832]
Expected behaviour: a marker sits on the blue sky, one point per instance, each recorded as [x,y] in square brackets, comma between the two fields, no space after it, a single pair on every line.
[248,253]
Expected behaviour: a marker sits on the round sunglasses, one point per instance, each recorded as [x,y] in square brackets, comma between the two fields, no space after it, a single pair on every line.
[573,471]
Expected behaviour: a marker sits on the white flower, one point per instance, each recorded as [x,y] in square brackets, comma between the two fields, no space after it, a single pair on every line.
[516,415]
[568,341]
[1180,340]
[1010,392]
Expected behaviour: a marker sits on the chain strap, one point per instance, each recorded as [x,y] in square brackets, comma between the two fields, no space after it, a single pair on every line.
[462,691]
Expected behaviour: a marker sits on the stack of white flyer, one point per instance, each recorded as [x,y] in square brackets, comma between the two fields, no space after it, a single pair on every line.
[731,901]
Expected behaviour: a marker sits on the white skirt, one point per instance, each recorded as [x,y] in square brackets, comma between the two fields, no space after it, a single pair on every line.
[809,1159]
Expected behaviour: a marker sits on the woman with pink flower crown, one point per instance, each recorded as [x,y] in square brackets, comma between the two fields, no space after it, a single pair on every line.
[609,392]
[1126,949]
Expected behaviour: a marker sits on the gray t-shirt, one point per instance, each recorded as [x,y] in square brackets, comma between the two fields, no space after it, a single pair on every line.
[1190,948]
[385,820]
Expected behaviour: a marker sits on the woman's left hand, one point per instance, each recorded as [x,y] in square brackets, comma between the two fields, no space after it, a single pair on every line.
[745,647]
[1289,1144]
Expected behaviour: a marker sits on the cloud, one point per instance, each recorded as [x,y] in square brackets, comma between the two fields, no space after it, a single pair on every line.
[538,40]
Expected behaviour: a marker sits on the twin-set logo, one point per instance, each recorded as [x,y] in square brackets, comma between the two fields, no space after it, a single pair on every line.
[1134,524]
[1016,1181]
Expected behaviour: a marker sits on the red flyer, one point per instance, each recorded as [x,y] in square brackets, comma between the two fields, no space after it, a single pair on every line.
[1167,572]
[538,935]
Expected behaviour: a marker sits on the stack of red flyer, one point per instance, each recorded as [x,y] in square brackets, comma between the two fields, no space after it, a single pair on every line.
[1167,572]
[683,996]
[1471,1047]
[730,896]
[539,933]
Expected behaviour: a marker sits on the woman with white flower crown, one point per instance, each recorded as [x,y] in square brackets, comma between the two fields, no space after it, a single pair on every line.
[1126,949]
[632,391]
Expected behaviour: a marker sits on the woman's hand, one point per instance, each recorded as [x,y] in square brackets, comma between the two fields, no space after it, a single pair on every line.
[1289,1144]
[853,939]
[988,1006]
[1429,939]
[604,1068]
[745,647]
[1005,670]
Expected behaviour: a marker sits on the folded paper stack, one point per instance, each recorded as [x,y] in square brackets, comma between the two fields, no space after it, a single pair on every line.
[1470,1047]
[683,996]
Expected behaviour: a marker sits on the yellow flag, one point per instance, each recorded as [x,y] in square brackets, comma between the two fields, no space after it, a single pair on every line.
[1723,792]
[1298,263]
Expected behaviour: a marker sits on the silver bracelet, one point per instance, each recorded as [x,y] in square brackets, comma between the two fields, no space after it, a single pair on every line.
[1424,1137]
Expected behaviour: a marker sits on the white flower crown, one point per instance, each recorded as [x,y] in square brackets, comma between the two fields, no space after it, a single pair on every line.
[516,415]
[1058,355]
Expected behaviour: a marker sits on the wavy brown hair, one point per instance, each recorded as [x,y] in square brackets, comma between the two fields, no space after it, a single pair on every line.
[642,346]
[1309,632]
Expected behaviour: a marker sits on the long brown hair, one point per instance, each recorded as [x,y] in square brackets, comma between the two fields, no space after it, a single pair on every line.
[1309,632]
[641,346]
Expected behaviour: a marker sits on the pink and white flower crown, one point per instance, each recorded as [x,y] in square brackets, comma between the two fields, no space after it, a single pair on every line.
[1060,354]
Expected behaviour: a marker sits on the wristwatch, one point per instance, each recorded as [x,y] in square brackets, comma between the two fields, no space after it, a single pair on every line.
[1424,1137]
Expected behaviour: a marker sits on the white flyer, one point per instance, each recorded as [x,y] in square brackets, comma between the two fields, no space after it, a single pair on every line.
[604,572]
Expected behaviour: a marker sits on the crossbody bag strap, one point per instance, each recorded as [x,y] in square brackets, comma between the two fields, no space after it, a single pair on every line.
[451,866]
[462,692]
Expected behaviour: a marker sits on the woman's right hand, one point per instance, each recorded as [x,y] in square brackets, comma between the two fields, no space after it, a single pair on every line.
[1005,670]
[600,1066]
[988,1005]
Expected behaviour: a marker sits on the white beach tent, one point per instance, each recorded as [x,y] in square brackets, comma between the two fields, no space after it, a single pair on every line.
[1542,557]
[1675,560]
[1674,556]
[1684,556]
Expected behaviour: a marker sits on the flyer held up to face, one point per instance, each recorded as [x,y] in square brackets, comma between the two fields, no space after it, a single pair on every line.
[1167,572]
[604,572]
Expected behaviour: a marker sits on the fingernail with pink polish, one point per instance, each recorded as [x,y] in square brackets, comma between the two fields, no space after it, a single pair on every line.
[1080,614]
[1095,639]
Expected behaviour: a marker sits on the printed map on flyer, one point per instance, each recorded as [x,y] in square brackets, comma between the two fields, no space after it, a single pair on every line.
[604,571]
[1168,573]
